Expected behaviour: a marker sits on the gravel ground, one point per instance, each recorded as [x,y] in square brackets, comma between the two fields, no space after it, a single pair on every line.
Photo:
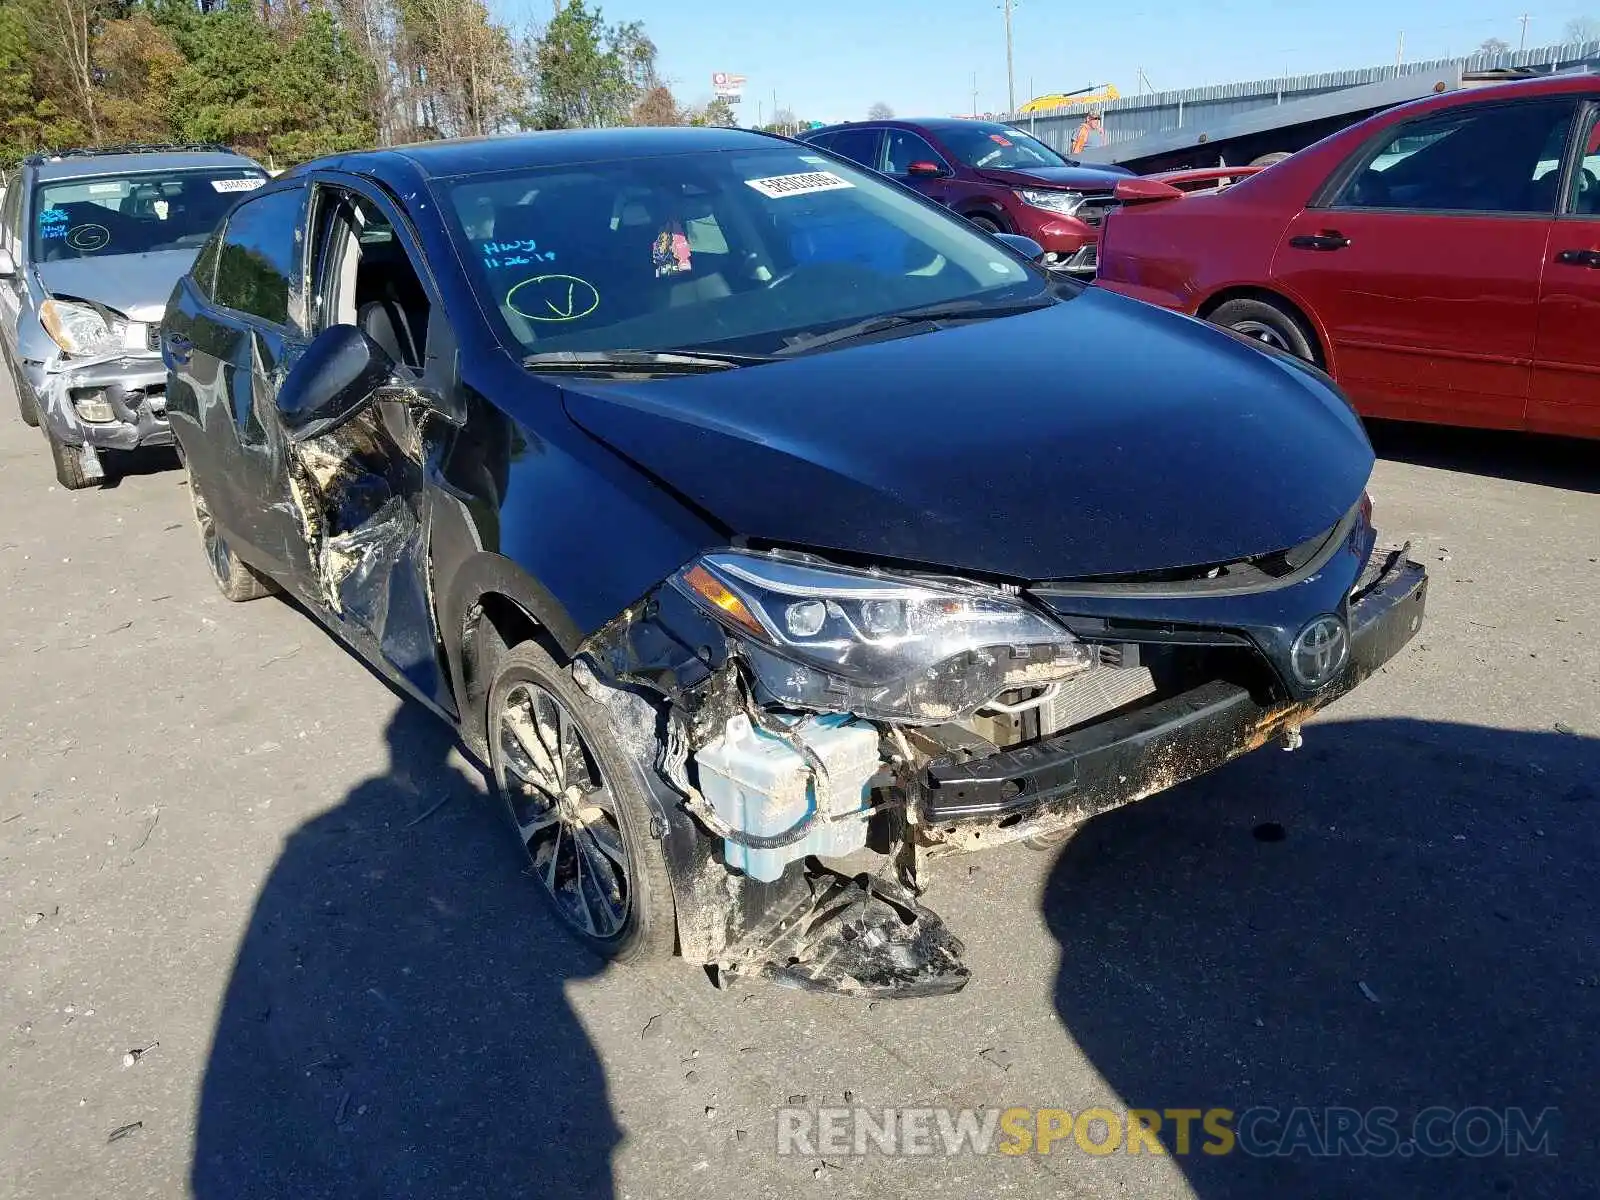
[242,954]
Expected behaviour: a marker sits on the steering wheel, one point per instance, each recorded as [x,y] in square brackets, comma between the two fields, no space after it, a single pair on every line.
[1587,183]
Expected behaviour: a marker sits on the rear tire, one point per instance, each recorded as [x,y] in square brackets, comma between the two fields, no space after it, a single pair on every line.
[69,463]
[235,578]
[1268,324]
[569,788]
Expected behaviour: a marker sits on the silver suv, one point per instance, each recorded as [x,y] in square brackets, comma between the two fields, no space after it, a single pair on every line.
[91,244]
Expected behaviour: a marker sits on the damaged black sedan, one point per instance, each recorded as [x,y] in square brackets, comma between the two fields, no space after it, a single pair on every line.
[768,532]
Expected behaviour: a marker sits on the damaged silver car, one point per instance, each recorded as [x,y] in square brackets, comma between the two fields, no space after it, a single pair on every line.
[767,532]
[91,243]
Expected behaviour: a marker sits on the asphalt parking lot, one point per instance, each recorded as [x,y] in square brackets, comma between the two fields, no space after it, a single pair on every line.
[246,951]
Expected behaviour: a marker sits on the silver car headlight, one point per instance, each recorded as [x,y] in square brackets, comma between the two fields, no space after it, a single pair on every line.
[1065,203]
[890,647]
[80,330]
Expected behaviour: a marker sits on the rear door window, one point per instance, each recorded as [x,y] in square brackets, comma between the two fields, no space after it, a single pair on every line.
[258,264]
[858,145]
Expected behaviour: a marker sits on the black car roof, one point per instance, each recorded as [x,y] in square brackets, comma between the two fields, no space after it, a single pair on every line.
[504,152]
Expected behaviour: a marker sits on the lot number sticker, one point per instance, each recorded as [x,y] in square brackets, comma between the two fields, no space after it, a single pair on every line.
[237,185]
[776,187]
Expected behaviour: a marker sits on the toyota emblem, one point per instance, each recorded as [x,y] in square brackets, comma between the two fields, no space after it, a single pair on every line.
[1320,651]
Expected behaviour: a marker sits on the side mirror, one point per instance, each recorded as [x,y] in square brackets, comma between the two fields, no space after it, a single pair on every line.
[926,170]
[1024,246]
[8,265]
[334,379]
[1138,190]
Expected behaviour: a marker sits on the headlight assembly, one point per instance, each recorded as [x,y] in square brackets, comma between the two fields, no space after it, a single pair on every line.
[1065,203]
[79,330]
[893,648]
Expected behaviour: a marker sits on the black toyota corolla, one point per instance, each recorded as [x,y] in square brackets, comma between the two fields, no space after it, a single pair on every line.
[768,532]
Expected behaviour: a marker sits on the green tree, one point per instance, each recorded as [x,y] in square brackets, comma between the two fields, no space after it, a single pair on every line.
[589,74]
[718,112]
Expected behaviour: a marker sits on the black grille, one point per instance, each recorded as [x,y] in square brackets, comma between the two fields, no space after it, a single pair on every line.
[1093,210]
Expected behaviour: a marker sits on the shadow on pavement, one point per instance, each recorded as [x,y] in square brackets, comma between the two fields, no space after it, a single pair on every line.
[1447,870]
[396,1023]
[1522,457]
[146,460]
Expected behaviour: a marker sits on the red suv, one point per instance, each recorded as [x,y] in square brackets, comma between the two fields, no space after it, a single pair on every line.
[999,178]
[1441,260]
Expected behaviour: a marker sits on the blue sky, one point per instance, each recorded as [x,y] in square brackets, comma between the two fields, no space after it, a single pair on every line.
[830,59]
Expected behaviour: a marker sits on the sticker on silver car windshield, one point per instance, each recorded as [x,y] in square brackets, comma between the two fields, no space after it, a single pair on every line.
[776,187]
[237,185]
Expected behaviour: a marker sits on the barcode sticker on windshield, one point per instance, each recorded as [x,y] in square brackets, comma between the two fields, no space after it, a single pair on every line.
[237,185]
[776,187]
[105,189]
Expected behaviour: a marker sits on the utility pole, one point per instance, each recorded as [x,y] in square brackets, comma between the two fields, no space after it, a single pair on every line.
[1522,43]
[1400,52]
[974,93]
[1011,87]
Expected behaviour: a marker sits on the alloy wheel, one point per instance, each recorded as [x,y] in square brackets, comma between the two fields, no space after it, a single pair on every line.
[564,811]
[1261,332]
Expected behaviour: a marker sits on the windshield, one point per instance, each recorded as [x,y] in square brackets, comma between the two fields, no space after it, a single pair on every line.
[102,216]
[998,148]
[746,252]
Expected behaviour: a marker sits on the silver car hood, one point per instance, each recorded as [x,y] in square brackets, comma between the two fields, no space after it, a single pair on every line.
[135,285]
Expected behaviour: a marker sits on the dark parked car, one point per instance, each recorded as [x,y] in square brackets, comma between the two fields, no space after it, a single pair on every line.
[1000,178]
[674,468]
[1439,260]
[91,242]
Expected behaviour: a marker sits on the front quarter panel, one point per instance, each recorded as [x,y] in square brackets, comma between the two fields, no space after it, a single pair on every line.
[1176,253]
[529,506]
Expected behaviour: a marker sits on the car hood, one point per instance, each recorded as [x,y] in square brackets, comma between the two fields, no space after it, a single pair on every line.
[1082,179]
[135,285]
[1094,437]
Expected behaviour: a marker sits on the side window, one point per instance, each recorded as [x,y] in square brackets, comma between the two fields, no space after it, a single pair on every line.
[825,140]
[257,264]
[906,148]
[204,271]
[365,277]
[11,212]
[1584,197]
[858,145]
[1503,158]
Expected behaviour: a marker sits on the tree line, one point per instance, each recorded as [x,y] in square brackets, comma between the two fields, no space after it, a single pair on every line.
[288,80]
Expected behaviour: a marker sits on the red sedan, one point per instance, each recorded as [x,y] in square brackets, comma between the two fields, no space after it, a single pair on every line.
[1440,260]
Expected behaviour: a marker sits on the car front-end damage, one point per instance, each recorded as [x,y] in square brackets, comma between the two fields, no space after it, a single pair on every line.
[102,385]
[816,735]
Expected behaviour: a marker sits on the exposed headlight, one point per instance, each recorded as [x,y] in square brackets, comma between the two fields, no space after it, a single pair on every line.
[79,330]
[1065,203]
[833,639]
[92,406]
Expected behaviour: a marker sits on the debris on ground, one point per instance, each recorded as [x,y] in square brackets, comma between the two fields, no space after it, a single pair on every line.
[999,1059]
[652,1028]
[122,1131]
[1367,991]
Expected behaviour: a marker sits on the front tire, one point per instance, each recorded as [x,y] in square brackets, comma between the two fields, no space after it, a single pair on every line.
[1268,324]
[68,462]
[236,579]
[987,224]
[581,817]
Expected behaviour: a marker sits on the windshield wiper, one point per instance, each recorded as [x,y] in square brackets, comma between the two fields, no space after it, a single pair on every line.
[643,362]
[971,309]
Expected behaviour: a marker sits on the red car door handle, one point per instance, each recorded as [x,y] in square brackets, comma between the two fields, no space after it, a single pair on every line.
[1580,258]
[1328,239]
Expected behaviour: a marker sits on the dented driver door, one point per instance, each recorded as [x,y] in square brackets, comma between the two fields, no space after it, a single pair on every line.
[360,489]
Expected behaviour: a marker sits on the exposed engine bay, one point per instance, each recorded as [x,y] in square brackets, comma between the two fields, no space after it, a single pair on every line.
[828,732]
